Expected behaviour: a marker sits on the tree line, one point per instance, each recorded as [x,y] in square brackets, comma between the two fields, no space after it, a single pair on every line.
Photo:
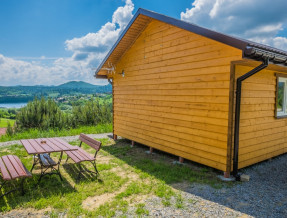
[45,114]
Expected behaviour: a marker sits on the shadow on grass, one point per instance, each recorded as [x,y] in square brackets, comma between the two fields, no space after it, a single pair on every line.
[48,187]
[251,197]
[161,166]
[73,170]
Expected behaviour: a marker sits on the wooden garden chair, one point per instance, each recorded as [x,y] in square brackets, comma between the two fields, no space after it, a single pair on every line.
[80,155]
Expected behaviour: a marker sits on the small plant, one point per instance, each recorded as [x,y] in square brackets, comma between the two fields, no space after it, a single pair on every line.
[141,210]
[179,201]
[9,131]
[166,202]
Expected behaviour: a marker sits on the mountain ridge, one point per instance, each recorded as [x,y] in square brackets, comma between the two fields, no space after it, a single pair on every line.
[70,84]
[9,94]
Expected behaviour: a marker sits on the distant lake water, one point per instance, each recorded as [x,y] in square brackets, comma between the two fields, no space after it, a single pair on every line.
[12,105]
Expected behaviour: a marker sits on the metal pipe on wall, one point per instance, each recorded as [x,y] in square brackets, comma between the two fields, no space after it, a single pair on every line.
[237,112]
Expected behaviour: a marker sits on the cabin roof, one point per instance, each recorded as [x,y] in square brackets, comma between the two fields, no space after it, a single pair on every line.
[142,18]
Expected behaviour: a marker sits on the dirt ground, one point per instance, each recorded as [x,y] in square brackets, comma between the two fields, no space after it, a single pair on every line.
[2,131]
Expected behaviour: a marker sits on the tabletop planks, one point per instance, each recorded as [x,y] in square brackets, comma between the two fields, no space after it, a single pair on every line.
[46,145]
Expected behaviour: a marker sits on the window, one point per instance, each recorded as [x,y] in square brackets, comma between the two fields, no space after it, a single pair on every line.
[281,98]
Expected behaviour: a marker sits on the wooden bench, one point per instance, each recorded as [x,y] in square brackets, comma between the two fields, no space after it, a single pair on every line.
[80,155]
[12,168]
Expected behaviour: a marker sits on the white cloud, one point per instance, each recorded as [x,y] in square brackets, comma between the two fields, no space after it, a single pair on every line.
[17,72]
[256,20]
[100,42]
[88,51]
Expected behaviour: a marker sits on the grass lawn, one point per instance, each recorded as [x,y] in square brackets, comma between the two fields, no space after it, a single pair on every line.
[3,122]
[35,133]
[128,176]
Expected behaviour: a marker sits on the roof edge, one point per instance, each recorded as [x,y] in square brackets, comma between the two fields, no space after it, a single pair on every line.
[139,11]
[232,41]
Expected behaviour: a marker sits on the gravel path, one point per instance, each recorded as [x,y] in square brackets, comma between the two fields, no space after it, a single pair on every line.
[265,195]
[191,206]
[67,138]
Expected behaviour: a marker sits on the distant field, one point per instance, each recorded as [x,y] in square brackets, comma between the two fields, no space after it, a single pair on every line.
[108,99]
[3,122]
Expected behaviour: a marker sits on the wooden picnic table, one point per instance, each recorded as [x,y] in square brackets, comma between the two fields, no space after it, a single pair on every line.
[41,148]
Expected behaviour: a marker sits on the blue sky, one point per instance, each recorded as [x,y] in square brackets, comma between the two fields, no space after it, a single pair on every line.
[54,41]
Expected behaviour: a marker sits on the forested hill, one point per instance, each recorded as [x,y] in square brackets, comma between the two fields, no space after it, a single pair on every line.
[79,85]
[9,94]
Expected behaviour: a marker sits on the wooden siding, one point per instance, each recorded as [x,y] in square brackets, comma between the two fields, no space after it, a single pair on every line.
[262,136]
[175,93]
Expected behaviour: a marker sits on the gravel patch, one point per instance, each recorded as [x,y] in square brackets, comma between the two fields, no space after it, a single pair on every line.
[263,196]
[67,138]
[191,206]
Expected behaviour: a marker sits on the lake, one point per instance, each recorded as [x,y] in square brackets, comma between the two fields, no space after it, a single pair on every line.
[13,105]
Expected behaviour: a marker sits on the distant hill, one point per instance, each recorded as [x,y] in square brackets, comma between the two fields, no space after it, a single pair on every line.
[13,94]
[77,85]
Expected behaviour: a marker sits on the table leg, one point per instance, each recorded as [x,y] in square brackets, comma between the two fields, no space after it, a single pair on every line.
[34,162]
[60,159]
[54,169]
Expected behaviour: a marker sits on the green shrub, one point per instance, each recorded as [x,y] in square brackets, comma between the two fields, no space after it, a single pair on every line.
[46,114]
[42,114]
[92,113]
[9,131]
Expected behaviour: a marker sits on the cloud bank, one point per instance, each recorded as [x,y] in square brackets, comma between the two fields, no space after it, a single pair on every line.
[88,51]
[256,20]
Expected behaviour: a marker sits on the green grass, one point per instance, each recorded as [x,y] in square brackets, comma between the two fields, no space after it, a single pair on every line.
[127,174]
[35,133]
[140,210]
[3,122]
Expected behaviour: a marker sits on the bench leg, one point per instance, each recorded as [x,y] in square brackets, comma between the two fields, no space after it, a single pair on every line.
[80,172]
[21,188]
[2,184]
[95,166]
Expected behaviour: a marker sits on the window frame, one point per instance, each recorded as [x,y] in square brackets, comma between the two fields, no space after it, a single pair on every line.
[284,78]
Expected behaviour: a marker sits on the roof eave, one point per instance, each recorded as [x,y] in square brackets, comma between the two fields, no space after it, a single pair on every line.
[118,41]
[258,53]
[101,76]
[249,49]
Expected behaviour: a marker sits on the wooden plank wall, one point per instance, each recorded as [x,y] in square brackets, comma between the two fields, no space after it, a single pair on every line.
[175,94]
[262,136]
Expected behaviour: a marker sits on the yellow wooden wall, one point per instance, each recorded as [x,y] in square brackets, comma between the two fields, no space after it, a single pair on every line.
[175,94]
[262,136]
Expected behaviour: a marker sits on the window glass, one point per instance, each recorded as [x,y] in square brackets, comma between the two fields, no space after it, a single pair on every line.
[280,97]
[281,103]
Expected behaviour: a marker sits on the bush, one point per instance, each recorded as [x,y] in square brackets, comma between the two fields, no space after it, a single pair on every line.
[9,130]
[92,113]
[45,114]
[42,114]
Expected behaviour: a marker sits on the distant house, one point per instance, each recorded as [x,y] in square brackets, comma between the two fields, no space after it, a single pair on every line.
[174,89]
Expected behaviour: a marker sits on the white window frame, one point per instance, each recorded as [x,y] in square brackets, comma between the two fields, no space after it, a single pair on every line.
[282,113]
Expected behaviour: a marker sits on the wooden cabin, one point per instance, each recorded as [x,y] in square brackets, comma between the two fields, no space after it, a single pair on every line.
[174,89]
